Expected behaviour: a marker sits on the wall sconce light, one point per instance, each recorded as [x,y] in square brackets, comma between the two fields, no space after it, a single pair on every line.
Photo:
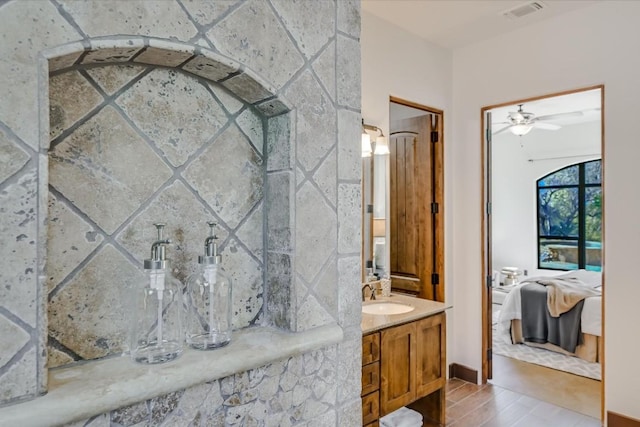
[366,143]
[381,144]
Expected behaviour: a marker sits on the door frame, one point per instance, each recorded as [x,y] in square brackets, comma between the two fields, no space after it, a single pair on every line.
[485,238]
[438,195]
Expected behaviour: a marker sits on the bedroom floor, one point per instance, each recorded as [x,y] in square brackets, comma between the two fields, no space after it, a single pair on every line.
[567,390]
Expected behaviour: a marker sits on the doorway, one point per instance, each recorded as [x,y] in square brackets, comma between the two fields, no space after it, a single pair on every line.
[416,175]
[526,145]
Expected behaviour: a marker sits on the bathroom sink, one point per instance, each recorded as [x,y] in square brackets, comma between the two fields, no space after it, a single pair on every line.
[386,308]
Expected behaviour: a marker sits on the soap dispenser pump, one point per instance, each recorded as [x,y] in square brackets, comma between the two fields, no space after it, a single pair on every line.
[156,333]
[209,301]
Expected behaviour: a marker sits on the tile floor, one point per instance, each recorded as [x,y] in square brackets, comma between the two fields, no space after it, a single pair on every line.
[519,395]
[569,391]
[471,405]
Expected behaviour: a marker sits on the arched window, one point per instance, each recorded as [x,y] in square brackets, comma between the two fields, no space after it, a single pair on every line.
[570,218]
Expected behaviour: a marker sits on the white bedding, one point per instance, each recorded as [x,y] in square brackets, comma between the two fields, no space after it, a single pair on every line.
[591,319]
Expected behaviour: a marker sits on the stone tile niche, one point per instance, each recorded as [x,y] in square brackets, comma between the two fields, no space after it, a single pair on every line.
[134,144]
[116,115]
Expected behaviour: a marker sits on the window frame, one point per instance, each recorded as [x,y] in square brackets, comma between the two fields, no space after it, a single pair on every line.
[581,187]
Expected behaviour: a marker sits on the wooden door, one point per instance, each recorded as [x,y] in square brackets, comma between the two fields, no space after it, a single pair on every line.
[413,207]
[397,367]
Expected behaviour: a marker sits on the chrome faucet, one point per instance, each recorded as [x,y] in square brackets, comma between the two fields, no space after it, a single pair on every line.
[372,289]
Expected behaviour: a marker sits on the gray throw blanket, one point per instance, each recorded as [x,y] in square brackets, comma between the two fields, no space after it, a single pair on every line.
[563,292]
[538,326]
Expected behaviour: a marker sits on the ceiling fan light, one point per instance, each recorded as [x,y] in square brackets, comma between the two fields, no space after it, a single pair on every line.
[520,130]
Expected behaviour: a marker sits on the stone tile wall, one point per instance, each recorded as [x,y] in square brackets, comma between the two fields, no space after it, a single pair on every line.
[300,390]
[297,67]
[149,145]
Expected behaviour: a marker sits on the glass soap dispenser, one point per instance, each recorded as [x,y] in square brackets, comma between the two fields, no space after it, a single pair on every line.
[209,300]
[156,333]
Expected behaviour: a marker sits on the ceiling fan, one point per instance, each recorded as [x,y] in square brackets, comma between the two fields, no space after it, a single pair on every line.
[521,122]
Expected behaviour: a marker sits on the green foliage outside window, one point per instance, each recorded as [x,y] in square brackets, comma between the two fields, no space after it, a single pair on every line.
[570,218]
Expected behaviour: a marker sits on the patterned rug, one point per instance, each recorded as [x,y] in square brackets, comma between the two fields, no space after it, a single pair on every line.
[544,357]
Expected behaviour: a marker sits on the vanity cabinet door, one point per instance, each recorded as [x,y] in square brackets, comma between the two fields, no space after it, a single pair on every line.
[431,357]
[398,367]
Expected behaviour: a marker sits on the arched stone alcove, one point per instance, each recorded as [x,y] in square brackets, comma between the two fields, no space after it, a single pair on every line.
[151,131]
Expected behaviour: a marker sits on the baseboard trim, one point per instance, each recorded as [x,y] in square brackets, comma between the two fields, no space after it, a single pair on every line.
[618,420]
[463,373]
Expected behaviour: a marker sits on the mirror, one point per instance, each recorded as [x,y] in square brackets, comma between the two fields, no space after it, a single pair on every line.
[374,202]
[403,229]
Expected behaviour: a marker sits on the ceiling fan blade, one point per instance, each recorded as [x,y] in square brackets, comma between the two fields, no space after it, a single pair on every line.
[561,115]
[501,130]
[547,126]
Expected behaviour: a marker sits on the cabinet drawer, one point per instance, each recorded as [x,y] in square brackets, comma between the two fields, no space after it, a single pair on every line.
[370,378]
[370,348]
[370,408]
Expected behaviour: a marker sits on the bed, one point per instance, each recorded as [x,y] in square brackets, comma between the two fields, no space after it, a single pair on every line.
[510,328]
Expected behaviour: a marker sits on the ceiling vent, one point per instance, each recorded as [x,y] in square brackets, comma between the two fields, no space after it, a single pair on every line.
[524,10]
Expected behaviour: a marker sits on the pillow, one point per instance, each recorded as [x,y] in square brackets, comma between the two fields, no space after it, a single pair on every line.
[592,279]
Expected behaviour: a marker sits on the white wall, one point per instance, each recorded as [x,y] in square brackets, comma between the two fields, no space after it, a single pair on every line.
[596,45]
[517,163]
[396,63]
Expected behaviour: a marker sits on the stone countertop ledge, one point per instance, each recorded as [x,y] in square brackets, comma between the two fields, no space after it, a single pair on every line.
[422,308]
[93,388]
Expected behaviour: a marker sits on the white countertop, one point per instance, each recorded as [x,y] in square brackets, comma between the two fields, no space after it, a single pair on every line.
[422,308]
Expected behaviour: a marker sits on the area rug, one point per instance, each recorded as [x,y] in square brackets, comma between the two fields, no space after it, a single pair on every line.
[544,357]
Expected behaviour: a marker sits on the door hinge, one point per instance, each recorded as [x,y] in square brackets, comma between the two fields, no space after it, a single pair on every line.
[369,208]
[434,136]
[489,354]
[489,280]
[488,208]
[435,279]
[434,208]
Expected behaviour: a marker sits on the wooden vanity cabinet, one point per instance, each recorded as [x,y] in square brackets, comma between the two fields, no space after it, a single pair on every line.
[370,379]
[412,369]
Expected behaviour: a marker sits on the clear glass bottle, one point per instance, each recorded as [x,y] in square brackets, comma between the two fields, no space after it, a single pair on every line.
[156,330]
[209,301]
